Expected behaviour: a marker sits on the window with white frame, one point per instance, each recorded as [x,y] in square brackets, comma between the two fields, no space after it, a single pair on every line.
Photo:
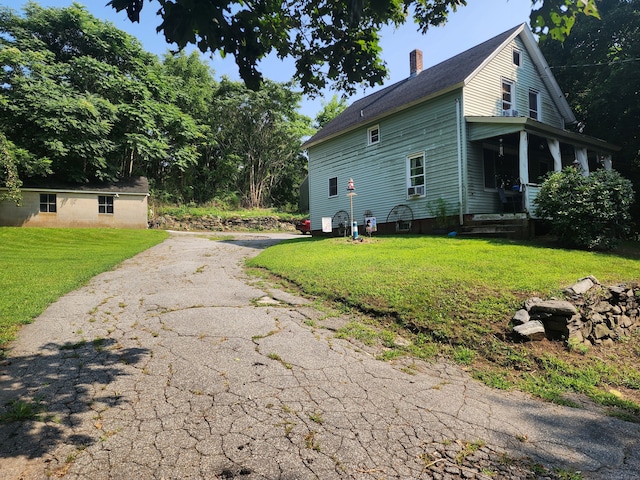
[105,204]
[516,57]
[508,95]
[416,184]
[534,104]
[48,203]
[373,135]
[333,187]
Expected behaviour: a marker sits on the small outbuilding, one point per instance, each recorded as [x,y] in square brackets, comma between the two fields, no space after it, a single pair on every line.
[115,205]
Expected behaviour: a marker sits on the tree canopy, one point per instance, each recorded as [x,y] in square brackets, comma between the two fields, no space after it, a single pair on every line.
[84,100]
[599,66]
[334,42]
[81,101]
[330,110]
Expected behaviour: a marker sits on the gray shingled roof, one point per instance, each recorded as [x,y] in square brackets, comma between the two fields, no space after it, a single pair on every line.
[411,90]
[126,185]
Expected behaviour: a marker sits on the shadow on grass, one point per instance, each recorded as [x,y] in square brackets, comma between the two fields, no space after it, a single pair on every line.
[262,242]
[45,397]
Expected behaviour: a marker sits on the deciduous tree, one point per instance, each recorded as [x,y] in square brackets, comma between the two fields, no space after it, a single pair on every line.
[260,134]
[599,67]
[84,99]
[330,110]
[329,40]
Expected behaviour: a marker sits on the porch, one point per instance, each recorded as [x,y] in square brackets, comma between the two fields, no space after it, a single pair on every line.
[518,153]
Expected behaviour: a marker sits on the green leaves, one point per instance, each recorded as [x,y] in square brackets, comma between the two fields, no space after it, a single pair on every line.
[331,41]
[598,65]
[591,213]
[556,19]
[85,96]
[259,135]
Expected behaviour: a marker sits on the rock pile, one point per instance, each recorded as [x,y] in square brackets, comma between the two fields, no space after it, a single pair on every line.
[218,224]
[592,314]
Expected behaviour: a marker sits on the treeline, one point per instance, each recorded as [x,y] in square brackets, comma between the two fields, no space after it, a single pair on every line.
[598,65]
[81,101]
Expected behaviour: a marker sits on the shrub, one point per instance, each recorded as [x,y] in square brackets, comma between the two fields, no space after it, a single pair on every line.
[591,213]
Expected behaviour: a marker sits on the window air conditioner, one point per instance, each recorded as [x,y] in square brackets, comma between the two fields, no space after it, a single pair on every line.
[415,191]
[511,112]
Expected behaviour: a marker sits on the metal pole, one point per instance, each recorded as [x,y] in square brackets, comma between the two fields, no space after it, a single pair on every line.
[351,192]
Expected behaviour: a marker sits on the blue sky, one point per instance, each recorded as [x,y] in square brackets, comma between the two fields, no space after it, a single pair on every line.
[478,21]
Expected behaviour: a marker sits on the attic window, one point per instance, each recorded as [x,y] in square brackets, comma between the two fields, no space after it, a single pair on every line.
[105,204]
[373,135]
[516,57]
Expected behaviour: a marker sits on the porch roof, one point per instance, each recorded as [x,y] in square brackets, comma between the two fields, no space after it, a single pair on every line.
[481,128]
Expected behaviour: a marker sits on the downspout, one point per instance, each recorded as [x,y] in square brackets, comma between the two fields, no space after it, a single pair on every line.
[459,133]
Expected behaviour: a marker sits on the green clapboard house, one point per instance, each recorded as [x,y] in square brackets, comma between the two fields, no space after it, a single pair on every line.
[466,141]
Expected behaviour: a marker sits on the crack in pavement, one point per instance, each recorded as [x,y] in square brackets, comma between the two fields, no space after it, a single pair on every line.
[173,366]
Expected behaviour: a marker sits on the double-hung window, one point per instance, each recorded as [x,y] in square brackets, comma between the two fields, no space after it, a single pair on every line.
[516,57]
[508,95]
[534,105]
[48,202]
[416,175]
[333,187]
[105,204]
[373,135]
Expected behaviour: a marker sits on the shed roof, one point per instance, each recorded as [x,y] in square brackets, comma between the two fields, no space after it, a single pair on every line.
[132,185]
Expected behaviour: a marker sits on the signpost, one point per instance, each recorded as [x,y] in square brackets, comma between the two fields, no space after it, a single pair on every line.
[351,192]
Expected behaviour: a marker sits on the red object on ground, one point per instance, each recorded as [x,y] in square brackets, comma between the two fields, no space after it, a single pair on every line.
[304,226]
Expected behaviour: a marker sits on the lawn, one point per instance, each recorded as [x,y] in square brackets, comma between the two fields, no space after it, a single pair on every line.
[39,265]
[455,297]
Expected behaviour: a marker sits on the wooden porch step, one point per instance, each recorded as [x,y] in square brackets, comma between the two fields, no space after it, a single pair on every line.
[501,226]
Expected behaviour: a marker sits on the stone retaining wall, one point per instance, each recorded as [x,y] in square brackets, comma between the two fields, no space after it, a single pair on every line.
[218,224]
[592,314]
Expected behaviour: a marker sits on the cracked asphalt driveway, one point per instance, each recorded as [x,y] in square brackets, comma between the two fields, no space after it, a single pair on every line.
[174,366]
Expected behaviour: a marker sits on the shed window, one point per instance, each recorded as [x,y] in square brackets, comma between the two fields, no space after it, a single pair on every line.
[48,202]
[333,187]
[373,135]
[105,204]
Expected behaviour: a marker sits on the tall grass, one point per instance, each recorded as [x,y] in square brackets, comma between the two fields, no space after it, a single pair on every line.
[39,265]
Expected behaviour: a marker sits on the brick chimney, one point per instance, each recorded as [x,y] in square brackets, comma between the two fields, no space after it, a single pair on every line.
[415,62]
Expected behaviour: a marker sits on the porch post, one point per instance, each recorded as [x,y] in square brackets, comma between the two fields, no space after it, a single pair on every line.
[523,167]
[554,148]
[607,162]
[583,160]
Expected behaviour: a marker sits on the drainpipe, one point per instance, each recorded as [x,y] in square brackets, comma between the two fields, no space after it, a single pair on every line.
[459,132]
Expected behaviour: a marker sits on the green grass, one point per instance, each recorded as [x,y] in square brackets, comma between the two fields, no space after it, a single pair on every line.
[20,410]
[459,295]
[39,265]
